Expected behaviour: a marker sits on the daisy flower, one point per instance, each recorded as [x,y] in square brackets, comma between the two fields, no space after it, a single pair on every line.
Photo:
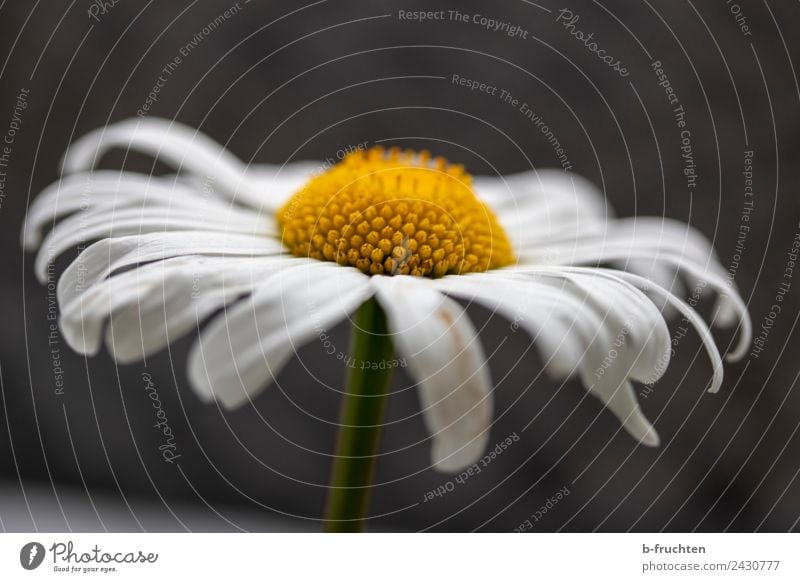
[275,255]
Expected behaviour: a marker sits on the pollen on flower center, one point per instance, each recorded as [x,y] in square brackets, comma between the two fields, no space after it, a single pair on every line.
[395,212]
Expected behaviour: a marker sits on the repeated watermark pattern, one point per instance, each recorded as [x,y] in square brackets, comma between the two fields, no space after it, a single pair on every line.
[545,70]
[507,98]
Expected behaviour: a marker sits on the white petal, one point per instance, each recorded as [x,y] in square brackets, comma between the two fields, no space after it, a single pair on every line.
[653,241]
[186,299]
[535,206]
[691,316]
[171,142]
[243,349]
[730,309]
[658,249]
[544,313]
[102,189]
[102,258]
[643,355]
[78,229]
[605,332]
[681,306]
[562,318]
[151,305]
[446,359]
[179,146]
[550,188]
[621,400]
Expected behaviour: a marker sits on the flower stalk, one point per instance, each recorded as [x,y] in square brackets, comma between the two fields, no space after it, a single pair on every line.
[360,421]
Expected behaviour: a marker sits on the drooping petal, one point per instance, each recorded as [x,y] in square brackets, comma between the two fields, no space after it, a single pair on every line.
[445,357]
[692,317]
[620,399]
[603,331]
[539,309]
[731,310]
[640,350]
[687,311]
[642,332]
[244,348]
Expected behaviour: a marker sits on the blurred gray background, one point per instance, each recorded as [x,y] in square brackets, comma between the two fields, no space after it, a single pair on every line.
[325,75]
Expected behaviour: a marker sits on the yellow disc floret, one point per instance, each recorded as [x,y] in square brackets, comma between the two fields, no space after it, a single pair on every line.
[395,212]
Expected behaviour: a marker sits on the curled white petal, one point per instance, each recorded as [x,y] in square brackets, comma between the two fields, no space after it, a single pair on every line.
[184,149]
[685,309]
[579,323]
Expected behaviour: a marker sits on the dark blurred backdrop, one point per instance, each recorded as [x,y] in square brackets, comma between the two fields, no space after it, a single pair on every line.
[279,81]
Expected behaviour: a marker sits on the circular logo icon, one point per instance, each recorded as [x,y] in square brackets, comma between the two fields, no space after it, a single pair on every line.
[31,555]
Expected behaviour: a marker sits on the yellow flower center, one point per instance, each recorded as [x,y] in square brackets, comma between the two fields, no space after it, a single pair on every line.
[394,212]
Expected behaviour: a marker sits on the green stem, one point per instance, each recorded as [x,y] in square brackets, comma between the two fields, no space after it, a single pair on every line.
[360,421]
